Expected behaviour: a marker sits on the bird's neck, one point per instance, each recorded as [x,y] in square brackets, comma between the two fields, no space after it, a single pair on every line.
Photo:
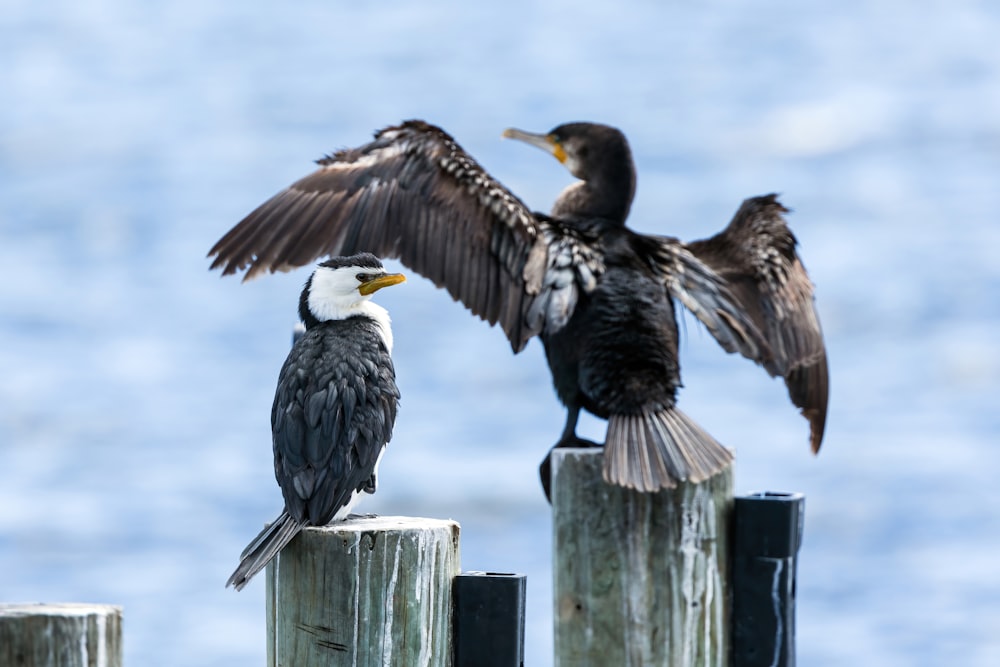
[328,311]
[381,317]
[606,196]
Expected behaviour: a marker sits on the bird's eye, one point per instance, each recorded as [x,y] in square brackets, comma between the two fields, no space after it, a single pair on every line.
[363,277]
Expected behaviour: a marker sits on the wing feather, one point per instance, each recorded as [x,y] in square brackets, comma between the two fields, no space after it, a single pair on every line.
[706,295]
[414,194]
[756,257]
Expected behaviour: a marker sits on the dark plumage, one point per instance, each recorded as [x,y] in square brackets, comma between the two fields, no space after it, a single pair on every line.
[334,407]
[598,295]
[756,257]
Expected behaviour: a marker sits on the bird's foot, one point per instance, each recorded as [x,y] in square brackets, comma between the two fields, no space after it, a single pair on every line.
[362,516]
[575,441]
[545,468]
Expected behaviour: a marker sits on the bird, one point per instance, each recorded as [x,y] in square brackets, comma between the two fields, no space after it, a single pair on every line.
[600,296]
[334,407]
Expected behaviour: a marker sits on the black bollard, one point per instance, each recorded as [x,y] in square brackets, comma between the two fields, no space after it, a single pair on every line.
[767,536]
[298,331]
[489,619]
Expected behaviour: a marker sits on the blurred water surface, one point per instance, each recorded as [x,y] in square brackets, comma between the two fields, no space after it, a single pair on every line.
[136,386]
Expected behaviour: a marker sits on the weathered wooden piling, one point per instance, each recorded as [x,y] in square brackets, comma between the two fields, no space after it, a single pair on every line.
[639,578]
[60,635]
[369,591]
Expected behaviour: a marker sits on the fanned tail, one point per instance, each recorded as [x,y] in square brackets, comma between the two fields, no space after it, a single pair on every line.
[263,548]
[653,451]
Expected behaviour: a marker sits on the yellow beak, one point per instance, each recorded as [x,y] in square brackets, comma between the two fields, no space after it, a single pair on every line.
[378,282]
[546,142]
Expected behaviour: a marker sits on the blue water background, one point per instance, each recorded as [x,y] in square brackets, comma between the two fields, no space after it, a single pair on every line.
[135,385]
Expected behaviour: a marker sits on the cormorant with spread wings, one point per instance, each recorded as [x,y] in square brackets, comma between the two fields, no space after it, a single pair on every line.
[598,295]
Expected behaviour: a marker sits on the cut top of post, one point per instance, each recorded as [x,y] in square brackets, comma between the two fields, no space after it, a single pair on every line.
[368,522]
[69,609]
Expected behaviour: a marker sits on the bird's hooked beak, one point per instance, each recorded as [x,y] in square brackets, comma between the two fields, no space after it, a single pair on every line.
[378,282]
[546,142]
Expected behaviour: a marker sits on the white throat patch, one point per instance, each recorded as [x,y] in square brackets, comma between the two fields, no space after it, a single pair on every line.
[334,295]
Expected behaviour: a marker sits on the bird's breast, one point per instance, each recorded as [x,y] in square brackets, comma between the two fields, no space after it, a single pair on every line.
[619,349]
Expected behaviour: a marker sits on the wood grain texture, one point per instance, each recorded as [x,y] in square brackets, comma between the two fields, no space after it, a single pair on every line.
[368,591]
[60,635]
[639,578]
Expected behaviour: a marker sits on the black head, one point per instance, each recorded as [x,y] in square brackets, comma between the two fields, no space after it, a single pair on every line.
[597,154]
[362,259]
[588,149]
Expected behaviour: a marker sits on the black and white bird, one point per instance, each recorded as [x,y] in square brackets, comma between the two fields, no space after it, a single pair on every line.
[334,407]
[599,296]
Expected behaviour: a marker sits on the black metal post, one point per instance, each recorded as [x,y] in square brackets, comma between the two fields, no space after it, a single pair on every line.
[489,619]
[768,533]
[298,331]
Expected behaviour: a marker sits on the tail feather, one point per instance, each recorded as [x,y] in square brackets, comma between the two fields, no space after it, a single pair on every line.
[263,548]
[652,451]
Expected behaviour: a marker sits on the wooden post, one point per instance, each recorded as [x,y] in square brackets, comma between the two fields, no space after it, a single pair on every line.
[60,635]
[369,591]
[640,578]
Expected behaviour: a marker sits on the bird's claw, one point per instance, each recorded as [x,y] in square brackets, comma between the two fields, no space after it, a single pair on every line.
[545,468]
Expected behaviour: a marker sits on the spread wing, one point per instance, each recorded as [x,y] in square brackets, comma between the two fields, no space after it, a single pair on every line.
[755,256]
[333,413]
[414,194]
[575,261]
[705,294]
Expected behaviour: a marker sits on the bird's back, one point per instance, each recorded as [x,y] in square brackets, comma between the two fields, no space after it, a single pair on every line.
[620,346]
[333,412]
